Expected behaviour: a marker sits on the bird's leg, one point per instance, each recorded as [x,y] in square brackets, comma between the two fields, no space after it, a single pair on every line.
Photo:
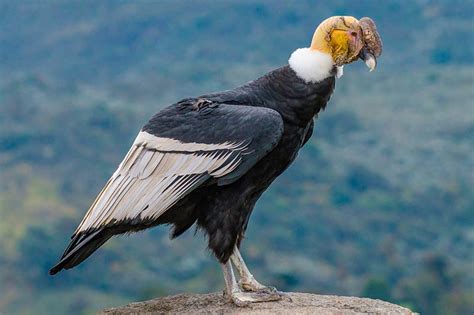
[240,298]
[230,283]
[247,282]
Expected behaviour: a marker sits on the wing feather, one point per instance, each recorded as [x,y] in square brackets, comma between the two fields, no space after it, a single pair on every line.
[178,150]
[154,175]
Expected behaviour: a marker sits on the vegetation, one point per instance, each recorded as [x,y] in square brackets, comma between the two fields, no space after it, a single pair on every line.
[379,203]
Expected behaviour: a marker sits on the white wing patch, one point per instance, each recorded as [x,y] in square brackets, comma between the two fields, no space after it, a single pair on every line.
[155,174]
[165,144]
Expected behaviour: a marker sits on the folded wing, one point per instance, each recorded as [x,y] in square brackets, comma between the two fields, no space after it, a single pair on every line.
[155,174]
[178,150]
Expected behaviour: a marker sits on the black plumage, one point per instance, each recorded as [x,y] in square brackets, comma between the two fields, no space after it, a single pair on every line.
[267,120]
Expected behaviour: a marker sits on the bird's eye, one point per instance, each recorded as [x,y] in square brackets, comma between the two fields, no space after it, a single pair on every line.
[354,34]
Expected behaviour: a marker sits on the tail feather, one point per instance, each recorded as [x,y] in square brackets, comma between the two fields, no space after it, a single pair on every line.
[80,248]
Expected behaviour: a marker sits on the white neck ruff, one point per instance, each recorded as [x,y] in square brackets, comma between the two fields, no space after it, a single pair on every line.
[311,65]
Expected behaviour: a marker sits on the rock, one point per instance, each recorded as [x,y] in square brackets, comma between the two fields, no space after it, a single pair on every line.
[292,303]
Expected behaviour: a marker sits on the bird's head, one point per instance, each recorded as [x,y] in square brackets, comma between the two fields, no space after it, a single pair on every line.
[346,39]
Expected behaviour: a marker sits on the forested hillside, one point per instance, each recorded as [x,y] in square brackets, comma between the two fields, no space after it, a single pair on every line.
[379,203]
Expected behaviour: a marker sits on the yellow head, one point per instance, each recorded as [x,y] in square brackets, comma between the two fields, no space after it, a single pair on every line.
[338,40]
[341,37]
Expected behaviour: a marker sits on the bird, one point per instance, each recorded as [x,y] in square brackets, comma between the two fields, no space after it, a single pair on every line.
[206,160]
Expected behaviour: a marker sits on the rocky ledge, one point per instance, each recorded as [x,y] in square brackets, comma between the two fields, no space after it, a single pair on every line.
[292,303]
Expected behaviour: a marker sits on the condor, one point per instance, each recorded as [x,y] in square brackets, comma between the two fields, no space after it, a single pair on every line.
[207,160]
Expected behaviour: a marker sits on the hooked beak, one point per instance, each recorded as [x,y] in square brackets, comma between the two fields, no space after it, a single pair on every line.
[369,59]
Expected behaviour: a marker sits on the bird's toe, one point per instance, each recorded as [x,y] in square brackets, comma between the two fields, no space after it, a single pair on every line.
[245,298]
[251,285]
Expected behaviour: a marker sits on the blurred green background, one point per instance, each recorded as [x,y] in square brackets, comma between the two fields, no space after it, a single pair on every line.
[378,204]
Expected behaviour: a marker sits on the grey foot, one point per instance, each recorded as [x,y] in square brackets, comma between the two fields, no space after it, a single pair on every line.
[245,298]
[252,285]
[256,287]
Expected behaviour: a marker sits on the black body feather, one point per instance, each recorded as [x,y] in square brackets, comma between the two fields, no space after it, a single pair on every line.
[274,114]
